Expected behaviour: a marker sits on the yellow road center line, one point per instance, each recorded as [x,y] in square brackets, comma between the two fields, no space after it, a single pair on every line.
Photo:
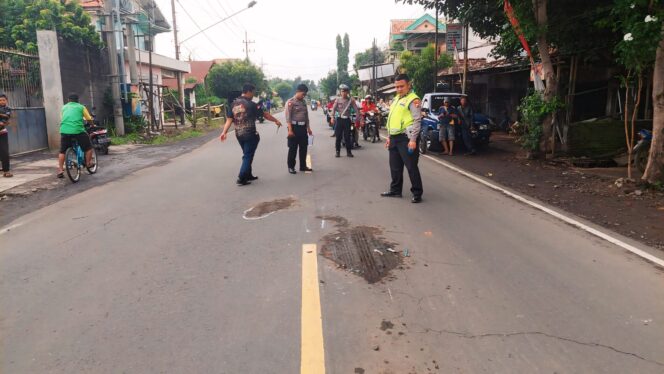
[312,357]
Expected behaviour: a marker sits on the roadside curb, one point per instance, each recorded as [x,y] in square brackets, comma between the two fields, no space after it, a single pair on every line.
[562,217]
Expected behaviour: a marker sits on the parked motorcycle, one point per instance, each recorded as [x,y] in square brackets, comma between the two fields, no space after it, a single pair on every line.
[99,138]
[260,106]
[642,149]
[370,129]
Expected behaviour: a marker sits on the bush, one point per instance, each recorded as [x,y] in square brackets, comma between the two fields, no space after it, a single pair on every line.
[534,109]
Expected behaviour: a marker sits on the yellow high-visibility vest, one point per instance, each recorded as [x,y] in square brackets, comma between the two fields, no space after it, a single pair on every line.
[400,117]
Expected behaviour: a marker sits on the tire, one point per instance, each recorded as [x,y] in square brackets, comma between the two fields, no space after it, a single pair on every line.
[71,165]
[93,169]
[104,150]
[365,134]
[641,158]
[424,143]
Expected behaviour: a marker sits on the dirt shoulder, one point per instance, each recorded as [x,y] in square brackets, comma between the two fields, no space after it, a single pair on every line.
[592,194]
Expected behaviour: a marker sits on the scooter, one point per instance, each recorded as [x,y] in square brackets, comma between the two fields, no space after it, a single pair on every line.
[642,149]
[99,138]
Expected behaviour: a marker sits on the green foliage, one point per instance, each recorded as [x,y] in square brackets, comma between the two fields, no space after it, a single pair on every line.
[343,50]
[534,109]
[366,58]
[329,84]
[639,23]
[21,19]
[420,68]
[203,96]
[283,90]
[571,24]
[230,76]
[135,124]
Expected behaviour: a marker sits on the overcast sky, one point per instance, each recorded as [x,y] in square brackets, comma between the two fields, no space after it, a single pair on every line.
[292,37]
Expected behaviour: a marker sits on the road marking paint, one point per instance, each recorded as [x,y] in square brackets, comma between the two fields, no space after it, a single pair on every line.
[562,217]
[312,356]
[10,228]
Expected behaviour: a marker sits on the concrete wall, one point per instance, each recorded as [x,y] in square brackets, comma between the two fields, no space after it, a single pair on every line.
[47,42]
[85,71]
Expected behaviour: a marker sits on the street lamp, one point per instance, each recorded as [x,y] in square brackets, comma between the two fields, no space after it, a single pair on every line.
[251,4]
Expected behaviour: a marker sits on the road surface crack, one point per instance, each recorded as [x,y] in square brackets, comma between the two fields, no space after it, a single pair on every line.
[467,335]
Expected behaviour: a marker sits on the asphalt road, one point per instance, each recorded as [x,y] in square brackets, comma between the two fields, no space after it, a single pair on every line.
[164,275]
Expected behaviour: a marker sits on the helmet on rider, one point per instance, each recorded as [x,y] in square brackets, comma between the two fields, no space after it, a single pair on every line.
[343,87]
[368,98]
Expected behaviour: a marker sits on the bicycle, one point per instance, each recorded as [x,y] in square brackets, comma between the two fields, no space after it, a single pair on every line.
[75,159]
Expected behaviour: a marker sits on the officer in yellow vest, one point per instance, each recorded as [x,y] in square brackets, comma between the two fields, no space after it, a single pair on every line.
[403,126]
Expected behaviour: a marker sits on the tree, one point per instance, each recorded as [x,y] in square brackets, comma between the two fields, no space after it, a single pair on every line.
[343,49]
[230,76]
[421,68]
[641,22]
[366,58]
[21,19]
[329,84]
[284,91]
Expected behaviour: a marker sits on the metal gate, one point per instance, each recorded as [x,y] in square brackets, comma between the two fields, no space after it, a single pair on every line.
[20,80]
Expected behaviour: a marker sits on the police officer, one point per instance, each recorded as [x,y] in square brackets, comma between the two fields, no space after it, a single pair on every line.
[340,115]
[297,118]
[403,126]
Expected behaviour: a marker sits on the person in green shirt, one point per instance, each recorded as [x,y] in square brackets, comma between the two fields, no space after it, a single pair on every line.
[72,127]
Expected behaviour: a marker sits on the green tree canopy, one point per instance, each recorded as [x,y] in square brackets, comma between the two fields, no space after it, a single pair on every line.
[232,75]
[283,90]
[420,68]
[366,58]
[20,20]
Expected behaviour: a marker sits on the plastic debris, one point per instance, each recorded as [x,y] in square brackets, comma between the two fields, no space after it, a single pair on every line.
[405,252]
[391,250]
[379,252]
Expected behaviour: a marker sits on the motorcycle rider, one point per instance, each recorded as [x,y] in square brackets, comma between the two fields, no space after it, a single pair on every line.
[368,105]
[72,126]
[340,116]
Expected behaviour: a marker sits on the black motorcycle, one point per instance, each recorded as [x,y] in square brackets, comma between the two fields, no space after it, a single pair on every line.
[370,129]
[99,138]
[259,116]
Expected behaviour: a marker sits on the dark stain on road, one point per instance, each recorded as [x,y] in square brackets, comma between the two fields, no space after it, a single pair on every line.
[360,249]
[268,207]
[386,325]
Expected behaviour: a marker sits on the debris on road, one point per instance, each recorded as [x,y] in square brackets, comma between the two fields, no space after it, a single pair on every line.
[405,252]
[267,208]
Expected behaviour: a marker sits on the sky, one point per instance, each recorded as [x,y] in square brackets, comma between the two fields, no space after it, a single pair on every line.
[291,37]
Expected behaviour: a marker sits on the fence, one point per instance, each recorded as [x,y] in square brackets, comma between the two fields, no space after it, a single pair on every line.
[20,80]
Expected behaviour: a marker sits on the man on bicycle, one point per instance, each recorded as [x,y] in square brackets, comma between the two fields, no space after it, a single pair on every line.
[72,127]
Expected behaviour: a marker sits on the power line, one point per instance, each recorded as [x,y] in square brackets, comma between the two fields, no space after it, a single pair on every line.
[201,29]
[214,9]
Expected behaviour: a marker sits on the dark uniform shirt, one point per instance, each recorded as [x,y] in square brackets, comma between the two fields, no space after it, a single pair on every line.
[297,111]
[466,114]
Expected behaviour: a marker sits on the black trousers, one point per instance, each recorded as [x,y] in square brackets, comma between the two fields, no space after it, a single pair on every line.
[342,128]
[4,151]
[399,157]
[301,141]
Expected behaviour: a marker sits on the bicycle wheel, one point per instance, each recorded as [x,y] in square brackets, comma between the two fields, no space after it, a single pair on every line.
[71,165]
[93,169]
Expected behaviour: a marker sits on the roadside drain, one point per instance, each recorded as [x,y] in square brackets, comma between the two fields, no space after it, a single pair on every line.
[267,208]
[360,250]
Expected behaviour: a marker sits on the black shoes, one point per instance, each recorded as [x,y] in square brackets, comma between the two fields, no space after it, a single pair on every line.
[242,182]
[306,169]
[337,154]
[416,199]
[390,194]
[349,154]
[292,170]
[252,178]
[471,153]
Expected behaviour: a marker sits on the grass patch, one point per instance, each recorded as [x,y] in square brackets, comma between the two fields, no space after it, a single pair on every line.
[170,136]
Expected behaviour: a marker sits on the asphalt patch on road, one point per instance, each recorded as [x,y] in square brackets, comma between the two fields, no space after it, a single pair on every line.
[360,250]
[267,208]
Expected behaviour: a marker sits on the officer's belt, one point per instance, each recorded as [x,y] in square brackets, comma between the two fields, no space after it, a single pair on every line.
[344,117]
[298,123]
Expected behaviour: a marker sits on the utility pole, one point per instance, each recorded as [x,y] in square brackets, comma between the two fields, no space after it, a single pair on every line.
[246,42]
[151,79]
[465,58]
[115,76]
[435,54]
[374,70]
[178,75]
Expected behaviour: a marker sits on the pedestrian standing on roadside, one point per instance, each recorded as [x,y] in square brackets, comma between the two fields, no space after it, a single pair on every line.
[268,105]
[5,114]
[242,113]
[340,117]
[466,116]
[448,118]
[403,127]
[299,129]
